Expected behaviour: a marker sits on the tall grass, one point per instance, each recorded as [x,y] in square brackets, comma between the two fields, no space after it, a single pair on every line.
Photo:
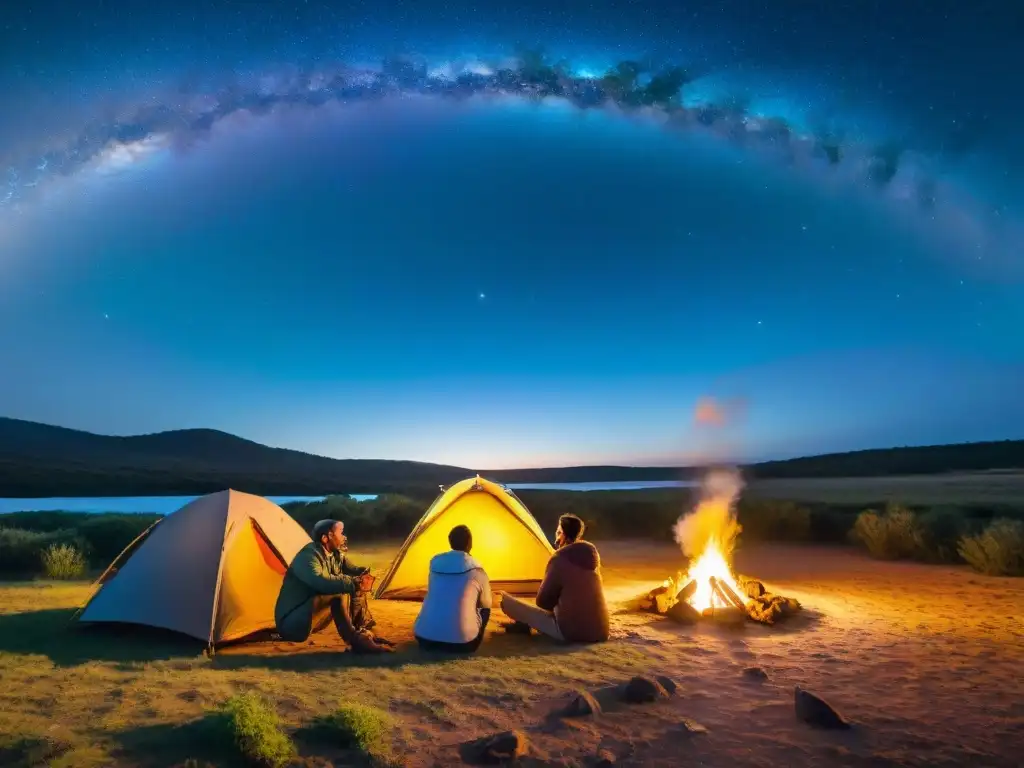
[893,535]
[63,561]
[998,550]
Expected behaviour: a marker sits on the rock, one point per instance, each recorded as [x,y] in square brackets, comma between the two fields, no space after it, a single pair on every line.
[668,684]
[815,711]
[683,613]
[663,602]
[755,673]
[582,705]
[605,758]
[753,588]
[642,690]
[509,745]
[691,726]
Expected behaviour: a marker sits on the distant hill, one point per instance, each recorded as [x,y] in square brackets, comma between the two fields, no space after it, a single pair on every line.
[39,460]
[916,460]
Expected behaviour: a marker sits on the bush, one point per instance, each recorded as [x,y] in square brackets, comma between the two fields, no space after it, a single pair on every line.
[21,552]
[63,561]
[996,551]
[257,731]
[361,727]
[892,536]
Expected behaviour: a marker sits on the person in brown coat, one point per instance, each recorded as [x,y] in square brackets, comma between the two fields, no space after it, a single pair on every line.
[570,602]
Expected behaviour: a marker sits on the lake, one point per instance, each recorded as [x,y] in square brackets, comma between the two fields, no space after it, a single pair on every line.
[166,504]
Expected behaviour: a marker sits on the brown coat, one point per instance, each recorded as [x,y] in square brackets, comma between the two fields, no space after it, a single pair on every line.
[572,589]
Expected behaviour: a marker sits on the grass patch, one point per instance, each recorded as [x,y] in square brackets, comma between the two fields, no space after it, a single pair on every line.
[63,562]
[360,727]
[996,551]
[257,731]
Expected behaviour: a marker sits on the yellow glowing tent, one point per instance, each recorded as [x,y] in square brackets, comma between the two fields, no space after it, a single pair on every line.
[212,569]
[507,541]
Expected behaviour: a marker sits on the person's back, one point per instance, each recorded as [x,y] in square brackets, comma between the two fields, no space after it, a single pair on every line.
[574,591]
[458,601]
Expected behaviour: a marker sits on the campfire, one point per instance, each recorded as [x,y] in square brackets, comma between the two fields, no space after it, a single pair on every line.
[708,589]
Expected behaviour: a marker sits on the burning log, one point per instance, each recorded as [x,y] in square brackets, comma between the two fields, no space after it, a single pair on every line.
[727,595]
[687,592]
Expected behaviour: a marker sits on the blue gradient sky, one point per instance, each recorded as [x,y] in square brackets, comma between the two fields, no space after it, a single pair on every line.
[507,284]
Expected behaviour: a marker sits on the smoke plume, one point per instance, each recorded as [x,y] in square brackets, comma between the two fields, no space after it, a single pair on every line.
[713,521]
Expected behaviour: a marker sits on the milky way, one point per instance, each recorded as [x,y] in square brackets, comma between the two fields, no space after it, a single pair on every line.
[917,184]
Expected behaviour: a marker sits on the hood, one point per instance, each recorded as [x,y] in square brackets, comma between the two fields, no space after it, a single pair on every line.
[453,562]
[582,554]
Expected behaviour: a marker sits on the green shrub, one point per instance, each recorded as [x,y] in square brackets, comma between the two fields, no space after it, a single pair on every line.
[360,727]
[892,536]
[21,552]
[996,551]
[257,731]
[63,561]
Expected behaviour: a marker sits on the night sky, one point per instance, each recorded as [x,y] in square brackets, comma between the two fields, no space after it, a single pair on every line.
[228,215]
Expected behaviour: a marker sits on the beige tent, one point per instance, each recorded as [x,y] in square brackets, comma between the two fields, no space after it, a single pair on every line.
[211,570]
[507,541]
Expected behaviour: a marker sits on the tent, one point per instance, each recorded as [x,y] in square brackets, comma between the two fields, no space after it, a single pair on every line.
[507,541]
[212,569]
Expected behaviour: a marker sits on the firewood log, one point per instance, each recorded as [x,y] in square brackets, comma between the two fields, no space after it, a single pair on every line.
[687,592]
[728,596]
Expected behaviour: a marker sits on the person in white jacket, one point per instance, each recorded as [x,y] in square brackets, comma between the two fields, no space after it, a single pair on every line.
[457,606]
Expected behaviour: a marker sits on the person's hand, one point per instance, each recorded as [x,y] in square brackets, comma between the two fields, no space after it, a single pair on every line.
[365,582]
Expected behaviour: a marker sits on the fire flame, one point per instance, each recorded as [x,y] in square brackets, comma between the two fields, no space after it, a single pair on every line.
[711,563]
[707,536]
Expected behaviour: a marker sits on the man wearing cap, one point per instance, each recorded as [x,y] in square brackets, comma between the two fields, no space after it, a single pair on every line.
[322,586]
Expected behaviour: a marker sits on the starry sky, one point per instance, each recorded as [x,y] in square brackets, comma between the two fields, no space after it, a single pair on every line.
[226,215]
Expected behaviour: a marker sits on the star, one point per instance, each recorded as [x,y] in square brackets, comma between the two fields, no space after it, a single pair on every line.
[106,316]
[482,296]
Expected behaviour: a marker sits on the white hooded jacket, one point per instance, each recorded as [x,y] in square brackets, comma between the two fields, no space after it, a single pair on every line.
[457,589]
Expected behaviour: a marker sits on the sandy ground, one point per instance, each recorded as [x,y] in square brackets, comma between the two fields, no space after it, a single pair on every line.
[927,661]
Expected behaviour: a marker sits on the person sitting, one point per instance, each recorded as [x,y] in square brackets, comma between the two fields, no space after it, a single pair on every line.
[316,590]
[457,606]
[570,602]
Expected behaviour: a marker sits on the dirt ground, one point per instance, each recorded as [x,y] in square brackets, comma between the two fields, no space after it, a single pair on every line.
[926,661]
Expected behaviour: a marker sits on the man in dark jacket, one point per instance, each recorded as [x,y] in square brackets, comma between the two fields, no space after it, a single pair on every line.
[570,602]
[321,585]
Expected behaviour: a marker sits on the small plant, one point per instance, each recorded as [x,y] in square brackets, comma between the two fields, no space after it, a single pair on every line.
[996,551]
[257,731]
[63,561]
[892,536]
[361,727]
